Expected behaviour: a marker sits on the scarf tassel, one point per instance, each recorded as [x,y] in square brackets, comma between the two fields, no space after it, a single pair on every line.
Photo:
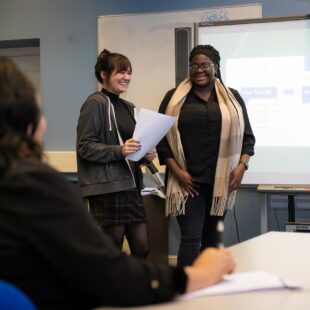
[218,206]
[221,204]
[175,204]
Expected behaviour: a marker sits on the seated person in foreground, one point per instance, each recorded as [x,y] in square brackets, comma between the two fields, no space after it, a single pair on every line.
[50,247]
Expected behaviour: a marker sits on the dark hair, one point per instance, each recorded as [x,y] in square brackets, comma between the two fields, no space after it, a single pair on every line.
[209,51]
[108,62]
[18,109]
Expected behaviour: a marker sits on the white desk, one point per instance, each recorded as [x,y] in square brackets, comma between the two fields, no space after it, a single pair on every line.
[283,253]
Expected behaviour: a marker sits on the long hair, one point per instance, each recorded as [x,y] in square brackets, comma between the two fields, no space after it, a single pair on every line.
[18,110]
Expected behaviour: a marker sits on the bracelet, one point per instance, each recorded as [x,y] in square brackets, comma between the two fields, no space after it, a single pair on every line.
[245,163]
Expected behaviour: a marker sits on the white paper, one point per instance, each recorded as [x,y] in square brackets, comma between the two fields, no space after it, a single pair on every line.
[244,282]
[153,191]
[150,128]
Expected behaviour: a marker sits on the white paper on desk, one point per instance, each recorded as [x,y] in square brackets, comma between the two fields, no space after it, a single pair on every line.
[150,128]
[244,282]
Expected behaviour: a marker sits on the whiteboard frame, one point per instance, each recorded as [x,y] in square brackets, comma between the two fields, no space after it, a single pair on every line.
[147,39]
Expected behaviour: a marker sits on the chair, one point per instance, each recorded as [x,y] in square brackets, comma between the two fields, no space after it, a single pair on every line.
[12,298]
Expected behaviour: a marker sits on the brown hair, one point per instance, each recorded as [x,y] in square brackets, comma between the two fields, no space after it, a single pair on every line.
[108,62]
[18,109]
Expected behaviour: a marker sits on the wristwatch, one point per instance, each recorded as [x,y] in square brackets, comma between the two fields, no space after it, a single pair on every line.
[245,163]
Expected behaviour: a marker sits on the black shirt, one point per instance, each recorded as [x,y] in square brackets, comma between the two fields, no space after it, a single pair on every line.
[199,125]
[200,129]
[125,121]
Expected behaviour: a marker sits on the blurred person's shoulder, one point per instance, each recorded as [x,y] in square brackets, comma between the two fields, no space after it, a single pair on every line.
[36,174]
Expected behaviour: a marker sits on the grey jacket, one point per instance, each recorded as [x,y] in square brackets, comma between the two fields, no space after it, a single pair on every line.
[102,167]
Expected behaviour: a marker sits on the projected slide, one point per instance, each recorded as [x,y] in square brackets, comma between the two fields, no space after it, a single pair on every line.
[268,62]
[277,94]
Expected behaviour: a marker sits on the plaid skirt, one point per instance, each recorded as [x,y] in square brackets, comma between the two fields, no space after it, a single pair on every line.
[118,208]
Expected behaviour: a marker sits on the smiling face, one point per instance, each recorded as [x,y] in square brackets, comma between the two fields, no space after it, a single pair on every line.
[118,82]
[202,70]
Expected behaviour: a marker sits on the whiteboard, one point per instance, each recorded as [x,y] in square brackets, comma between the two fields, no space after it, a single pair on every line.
[147,39]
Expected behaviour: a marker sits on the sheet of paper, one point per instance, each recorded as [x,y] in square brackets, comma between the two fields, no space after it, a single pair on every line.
[150,128]
[244,282]
[152,191]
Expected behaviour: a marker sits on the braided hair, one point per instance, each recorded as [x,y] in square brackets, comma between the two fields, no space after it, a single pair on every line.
[108,62]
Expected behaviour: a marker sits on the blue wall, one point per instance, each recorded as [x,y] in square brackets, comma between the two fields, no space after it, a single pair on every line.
[67,30]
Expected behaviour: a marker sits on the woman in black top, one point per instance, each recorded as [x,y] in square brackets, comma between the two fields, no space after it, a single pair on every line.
[50,246]
[112,183]
[206,152]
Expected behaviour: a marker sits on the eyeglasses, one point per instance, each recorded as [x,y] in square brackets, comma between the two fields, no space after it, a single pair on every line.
[205,66]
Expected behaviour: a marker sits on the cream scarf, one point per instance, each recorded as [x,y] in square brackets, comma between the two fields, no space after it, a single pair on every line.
[229,151]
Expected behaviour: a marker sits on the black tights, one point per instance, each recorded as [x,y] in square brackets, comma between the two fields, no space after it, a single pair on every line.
[136,235]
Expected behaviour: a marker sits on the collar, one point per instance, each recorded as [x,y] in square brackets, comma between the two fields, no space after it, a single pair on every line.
[112,96]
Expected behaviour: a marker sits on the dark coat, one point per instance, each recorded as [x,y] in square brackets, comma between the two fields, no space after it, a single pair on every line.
[53,250]
[102,168]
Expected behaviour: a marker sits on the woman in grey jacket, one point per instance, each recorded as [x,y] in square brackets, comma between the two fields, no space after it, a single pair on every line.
[111,183]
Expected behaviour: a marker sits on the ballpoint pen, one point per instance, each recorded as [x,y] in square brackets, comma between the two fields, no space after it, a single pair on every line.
[219,232]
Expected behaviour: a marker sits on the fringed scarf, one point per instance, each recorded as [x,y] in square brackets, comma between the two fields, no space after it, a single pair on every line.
[229,151]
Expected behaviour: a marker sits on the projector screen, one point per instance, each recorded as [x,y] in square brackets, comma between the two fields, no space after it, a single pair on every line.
[268,62]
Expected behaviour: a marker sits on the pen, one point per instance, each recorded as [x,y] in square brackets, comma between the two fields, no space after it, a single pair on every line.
[219,232]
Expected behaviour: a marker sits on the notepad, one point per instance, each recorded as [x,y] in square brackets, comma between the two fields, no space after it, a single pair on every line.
[245,282]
